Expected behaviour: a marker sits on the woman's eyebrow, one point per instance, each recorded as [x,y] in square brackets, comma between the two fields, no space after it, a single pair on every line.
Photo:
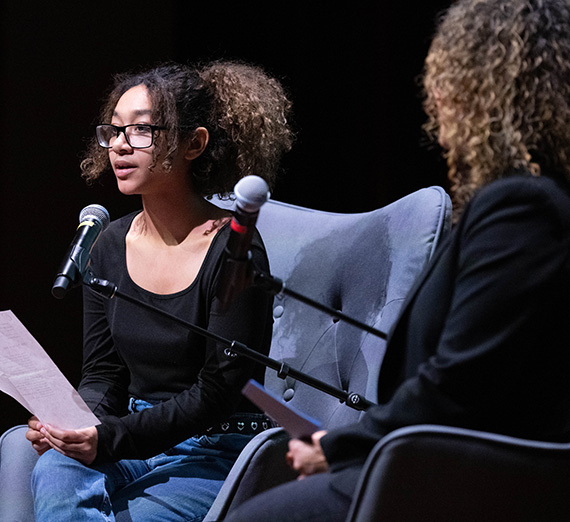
[138,112]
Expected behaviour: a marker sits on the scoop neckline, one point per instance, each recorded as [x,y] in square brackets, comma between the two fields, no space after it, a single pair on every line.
[175,294]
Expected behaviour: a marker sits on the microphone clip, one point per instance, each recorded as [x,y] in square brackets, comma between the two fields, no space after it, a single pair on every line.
[100,286]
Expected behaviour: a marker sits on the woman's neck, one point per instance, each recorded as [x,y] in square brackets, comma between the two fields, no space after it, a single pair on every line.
[171,218]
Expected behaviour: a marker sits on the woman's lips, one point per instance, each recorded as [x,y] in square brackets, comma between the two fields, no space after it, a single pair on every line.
[123,169]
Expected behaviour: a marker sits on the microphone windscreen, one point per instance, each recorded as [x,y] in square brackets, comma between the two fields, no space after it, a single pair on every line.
[251,193]
[97,213]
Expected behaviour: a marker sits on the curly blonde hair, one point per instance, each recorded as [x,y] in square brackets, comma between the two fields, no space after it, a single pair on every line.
[497,90]
[245,111]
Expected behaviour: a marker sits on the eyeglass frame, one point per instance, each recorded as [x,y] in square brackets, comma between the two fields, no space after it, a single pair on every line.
[119,129]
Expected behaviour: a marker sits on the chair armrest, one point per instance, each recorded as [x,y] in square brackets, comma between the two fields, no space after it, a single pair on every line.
[17,460]
[260,466]
[432,473]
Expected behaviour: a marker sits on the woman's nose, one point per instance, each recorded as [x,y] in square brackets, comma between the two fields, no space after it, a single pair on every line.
[120,142]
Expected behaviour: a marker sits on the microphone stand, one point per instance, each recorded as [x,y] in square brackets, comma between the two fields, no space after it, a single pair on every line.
[233,348]
[276,286]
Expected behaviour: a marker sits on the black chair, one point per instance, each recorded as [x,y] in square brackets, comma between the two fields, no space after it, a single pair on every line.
[431,473]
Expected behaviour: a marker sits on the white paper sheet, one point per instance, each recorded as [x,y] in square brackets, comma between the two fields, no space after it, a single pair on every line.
[28,374]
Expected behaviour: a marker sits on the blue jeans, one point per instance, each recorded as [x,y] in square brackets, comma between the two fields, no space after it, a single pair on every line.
[178,485]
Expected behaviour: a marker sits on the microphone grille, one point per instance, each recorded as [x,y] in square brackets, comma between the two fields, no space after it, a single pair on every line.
[97,213]
[251,192]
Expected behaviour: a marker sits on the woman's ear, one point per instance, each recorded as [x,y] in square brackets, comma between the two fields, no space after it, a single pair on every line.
[197,143]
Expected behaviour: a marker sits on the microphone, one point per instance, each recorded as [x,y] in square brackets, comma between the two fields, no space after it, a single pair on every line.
[251,193]
[93,219]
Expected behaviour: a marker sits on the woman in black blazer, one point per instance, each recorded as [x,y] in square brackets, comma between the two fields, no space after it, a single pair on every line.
[483,340]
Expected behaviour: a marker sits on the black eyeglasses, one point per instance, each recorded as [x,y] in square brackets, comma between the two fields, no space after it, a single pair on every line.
[138,135]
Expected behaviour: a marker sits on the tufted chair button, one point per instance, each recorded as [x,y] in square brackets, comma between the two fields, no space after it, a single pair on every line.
[288,394]
[278,311]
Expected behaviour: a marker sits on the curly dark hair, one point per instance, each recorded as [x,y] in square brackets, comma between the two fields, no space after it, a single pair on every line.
[245,111]
[497,90]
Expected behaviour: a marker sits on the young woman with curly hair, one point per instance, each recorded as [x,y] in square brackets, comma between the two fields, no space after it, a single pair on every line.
[172,418]
[482,341]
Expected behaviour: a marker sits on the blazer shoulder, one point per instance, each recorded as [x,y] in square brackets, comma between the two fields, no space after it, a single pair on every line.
[522,193]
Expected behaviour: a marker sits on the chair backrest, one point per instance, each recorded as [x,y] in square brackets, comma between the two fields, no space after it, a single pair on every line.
[360,264]
[432,473]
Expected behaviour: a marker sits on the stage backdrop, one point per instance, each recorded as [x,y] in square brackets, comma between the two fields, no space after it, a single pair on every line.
[350,70]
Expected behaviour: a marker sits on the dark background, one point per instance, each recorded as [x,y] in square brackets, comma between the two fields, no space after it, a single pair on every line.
[350,69]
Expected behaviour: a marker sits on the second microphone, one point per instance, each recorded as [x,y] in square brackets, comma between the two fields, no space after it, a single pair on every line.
[251,193]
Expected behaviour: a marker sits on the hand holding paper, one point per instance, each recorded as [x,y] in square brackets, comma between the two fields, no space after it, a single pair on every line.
[305,454]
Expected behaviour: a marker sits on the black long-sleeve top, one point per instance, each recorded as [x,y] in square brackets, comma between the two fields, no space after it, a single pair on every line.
[130,351]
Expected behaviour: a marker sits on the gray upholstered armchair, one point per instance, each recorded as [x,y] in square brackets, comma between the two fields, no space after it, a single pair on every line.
[360,264]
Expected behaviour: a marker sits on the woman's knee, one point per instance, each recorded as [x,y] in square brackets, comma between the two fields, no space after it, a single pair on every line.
[56,470]
[65,489]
